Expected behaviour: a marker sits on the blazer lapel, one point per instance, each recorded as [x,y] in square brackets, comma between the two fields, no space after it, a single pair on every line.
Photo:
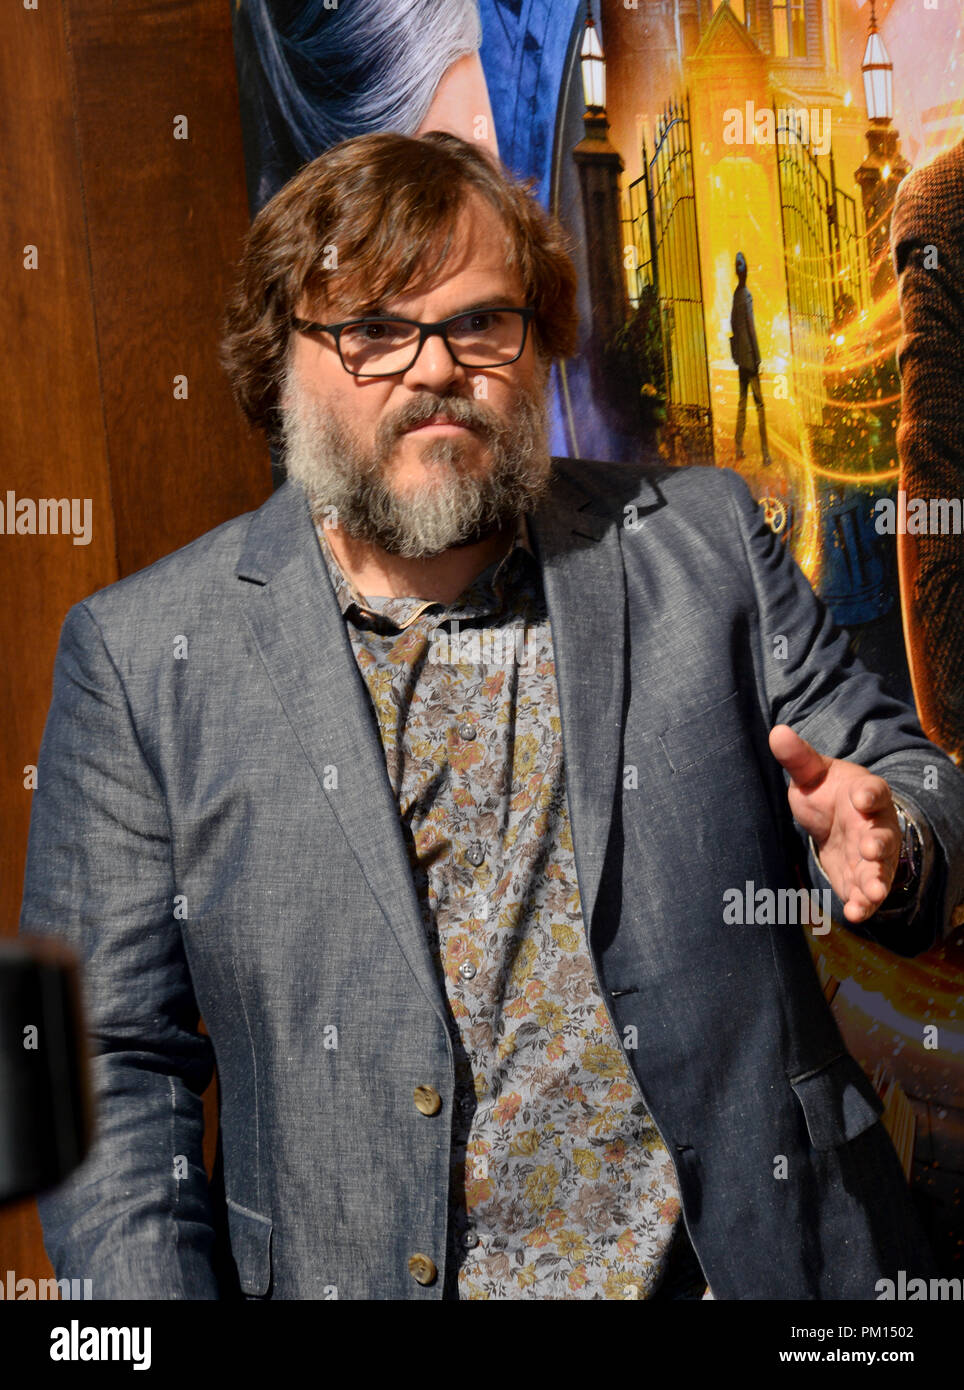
[290,607]
[576,538]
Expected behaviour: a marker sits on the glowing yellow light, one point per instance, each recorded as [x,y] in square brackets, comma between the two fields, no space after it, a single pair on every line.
[886,171]
[889,476]
[847,98]
[839,340]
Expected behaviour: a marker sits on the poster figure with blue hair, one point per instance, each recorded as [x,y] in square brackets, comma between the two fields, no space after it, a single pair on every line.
[822,139]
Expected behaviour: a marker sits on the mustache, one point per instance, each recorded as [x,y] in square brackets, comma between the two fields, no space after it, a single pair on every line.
[460,409]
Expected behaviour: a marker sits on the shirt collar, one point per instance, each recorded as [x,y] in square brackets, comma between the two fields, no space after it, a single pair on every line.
[393,614]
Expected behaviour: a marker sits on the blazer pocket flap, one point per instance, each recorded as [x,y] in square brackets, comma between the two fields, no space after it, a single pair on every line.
[709,731]
[838,1102]
[250,1247]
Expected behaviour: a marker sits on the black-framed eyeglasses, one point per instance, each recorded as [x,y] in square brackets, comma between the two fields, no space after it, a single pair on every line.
[384,346]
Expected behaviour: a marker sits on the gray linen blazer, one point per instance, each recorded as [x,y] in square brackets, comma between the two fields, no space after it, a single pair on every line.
[214,831]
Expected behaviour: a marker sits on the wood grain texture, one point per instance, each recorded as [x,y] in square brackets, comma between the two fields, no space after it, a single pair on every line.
[136,235]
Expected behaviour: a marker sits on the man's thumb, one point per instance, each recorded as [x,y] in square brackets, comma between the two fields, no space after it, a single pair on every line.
[802,761]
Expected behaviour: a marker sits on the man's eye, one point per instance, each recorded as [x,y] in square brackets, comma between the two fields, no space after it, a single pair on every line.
[372,332]
[482,321]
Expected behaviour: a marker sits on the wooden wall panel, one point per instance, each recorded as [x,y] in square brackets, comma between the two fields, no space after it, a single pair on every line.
[180,466]
[135,233]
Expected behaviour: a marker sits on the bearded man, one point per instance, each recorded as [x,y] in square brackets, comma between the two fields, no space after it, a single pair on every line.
[458,913]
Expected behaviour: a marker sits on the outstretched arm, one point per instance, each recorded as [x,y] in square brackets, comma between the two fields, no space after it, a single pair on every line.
[810,680]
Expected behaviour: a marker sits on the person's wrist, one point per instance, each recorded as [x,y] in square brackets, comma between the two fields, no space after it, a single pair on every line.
[907,876]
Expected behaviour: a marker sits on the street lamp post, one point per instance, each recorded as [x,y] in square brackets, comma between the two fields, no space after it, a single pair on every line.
[599,166]
[884,166]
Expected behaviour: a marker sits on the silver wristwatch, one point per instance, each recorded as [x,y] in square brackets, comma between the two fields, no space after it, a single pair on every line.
[907,877]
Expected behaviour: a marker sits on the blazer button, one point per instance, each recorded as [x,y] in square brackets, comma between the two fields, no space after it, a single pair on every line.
[427,1100]
[422,1269]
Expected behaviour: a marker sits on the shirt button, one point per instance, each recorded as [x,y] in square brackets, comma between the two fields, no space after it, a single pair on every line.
[630,1291]
[467,730]
[427,1100]
[422,1269]
[467,970]
[470,1239]
[475,853]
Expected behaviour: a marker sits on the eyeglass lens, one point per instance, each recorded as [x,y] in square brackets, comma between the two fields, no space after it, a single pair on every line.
[483,338]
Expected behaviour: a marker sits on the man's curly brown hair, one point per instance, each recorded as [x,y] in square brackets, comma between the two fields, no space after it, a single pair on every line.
[389,206]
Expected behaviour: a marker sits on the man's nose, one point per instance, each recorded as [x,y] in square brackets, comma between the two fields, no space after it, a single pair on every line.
[434,368]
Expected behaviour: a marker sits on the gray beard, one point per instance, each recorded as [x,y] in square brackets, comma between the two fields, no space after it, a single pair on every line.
[350,485]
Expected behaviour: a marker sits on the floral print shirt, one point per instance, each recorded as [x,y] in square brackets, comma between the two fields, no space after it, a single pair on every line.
[561,1186]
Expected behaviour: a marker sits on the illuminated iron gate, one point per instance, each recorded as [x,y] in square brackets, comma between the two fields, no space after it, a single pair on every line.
[825,258]
[662,211]
[849,243]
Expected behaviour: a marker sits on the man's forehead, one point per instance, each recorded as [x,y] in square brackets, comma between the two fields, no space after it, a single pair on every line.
[480,255]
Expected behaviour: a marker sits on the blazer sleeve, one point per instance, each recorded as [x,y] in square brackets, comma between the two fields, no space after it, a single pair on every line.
[809,678]
[135,1217]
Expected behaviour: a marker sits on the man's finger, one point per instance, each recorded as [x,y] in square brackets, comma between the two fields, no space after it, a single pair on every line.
[880,846]
[865,900]
[870,794]
[858,911]
[805,765]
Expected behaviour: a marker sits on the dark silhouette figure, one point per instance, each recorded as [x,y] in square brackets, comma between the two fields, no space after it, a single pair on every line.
[746,355]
